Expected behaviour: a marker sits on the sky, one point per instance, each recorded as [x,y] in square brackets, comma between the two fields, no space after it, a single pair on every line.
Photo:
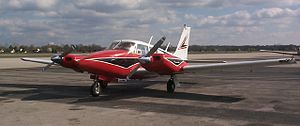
[213,22]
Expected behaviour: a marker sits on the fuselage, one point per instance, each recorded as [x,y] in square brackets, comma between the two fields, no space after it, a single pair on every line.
[121,58]
[113,63]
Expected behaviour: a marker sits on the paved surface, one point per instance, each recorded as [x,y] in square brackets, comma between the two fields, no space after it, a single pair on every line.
[267,96]
[18,63]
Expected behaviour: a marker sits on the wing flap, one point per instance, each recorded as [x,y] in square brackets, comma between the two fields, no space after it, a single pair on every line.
[256,63]
[42,61]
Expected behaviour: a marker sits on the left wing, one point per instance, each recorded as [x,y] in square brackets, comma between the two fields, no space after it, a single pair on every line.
[42,61]
[269,62]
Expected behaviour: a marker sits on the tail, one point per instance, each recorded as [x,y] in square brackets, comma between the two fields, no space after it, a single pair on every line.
[183,44]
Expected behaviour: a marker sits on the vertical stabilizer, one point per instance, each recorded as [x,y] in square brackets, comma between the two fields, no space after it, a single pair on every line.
[183,44]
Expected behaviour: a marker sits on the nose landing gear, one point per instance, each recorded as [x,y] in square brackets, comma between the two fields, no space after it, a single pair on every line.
[98,87]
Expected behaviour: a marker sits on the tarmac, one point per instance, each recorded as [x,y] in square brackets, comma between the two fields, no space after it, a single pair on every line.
[266,96]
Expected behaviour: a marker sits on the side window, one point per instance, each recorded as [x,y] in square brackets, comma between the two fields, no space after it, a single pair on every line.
[141,49]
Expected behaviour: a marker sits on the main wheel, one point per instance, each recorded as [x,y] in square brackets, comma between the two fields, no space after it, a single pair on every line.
[95,89]
[170,86]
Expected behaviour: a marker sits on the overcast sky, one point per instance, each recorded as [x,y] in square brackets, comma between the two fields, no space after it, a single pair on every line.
[213,22]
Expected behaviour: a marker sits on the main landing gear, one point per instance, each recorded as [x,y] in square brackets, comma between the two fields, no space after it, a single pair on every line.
[171,84]
[98,87]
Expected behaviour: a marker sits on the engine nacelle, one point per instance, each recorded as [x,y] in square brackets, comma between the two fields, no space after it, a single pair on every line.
[164,64]
[70,61]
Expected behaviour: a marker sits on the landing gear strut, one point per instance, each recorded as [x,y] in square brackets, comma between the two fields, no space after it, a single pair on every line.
[171,85]
[98,87]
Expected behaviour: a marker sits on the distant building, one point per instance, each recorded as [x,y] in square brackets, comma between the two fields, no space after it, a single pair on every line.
[49,49]
[38,50]
[13,51]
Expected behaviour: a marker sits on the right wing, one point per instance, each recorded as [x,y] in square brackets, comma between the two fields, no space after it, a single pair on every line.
[42,61]
[279,52]
[269,62]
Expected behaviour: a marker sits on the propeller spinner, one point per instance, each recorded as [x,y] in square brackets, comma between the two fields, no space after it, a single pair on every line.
[57,58]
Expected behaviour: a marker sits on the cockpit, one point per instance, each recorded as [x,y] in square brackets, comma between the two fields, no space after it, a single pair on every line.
[124,45]
[133,46]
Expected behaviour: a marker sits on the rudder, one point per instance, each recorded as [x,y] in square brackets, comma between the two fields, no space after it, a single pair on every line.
[183,44]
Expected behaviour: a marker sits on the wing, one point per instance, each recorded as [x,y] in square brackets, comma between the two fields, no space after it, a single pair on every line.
[205,61]
[279,52]
[42,61]
[269,62]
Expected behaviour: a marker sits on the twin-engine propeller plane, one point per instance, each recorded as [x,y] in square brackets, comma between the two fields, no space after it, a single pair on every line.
[133,59]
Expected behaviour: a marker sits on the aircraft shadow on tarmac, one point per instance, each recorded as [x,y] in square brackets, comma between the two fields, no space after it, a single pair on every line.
[113,92]
[113,99]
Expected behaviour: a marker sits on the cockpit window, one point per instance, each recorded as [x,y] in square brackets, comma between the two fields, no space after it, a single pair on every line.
[112,45]
[121,45]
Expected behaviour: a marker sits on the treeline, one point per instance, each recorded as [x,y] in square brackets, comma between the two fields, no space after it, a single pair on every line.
[80,48]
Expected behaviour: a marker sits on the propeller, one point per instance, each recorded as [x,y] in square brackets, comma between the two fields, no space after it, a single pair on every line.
[146,58]
[57,58]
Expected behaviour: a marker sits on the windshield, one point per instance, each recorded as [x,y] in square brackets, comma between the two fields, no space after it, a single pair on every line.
[121,45]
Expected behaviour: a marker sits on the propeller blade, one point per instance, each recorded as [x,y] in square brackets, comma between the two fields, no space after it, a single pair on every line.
[155,47]
[57,58]
[145,57]
[47,67]
[65,53]
[133,71]
[68,51]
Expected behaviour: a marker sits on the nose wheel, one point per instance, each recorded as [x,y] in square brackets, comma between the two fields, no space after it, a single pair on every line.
[98,87]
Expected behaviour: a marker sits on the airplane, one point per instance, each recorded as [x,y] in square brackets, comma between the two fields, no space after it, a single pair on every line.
[297,53]
[135,59]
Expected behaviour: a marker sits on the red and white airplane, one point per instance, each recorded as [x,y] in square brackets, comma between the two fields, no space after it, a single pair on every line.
[133,59]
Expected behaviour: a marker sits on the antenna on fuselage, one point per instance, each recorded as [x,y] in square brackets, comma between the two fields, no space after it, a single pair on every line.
[167,47]
[149,42]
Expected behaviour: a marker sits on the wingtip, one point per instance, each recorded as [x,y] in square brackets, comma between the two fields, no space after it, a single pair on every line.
[23,58]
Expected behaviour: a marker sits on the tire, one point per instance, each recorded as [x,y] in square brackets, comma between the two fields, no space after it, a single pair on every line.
[170,86]
[95,89]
